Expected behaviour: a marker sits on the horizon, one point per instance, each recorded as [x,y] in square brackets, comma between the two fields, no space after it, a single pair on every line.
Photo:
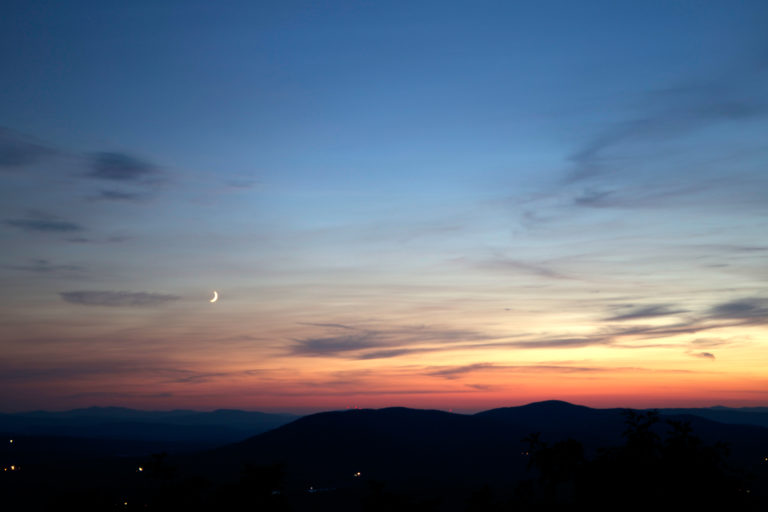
[307,412]
[292,206]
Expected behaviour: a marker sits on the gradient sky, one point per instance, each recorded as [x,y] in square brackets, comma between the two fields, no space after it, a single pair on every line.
[431,204]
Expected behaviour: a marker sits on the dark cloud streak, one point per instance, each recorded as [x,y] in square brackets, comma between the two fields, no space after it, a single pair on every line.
[111,395]
[403,341]
[672,112]
[338,344]
[385,343]
[652,311]
[116,298]
[118,195]
[329,325]
[119,167]
[527,267]
[19,151]
[41,266]
[633,197]
[43,225]
[453,372]
[752,310]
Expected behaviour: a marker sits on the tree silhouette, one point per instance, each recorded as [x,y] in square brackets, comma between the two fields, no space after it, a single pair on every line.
[646,471]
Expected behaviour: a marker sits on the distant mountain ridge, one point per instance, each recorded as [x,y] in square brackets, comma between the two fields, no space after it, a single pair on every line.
[223,426]
[194,428]
[740,415]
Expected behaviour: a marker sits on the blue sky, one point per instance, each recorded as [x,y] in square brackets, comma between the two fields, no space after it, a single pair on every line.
[421,174]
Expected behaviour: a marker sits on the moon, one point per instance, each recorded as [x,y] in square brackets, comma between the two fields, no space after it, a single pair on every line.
[215,296]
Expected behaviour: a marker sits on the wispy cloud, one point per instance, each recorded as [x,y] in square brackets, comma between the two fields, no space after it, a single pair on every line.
[519,266]
[704,355]
[116,298]
[37,222]
[454,372]
[148,366]
[114,166]
[338,344]
[17,150]
[396,352]
[330,326]
[753,309]
[634,197]
[709,342]
[243,183]
[652,311]
[187,376]
[195,377]
[666,331]
[401,342]
[733,313]
[118,195]
[574,342]
[109,395]
[320,392]
[395,342]
[381,343]
[68,370]
[667,113]
[130,176]
[105,240]
[660,152]
[41,266]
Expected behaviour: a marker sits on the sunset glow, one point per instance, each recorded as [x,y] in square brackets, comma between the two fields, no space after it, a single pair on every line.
[417,206]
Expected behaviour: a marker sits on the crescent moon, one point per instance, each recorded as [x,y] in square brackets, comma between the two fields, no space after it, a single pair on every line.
[215,296]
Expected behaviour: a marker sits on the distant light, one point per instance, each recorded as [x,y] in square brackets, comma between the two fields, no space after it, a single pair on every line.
[140,469]
[13,468]
[356,474]
[125,503]
[11,441]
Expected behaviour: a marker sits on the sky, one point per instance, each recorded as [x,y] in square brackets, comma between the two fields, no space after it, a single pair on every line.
[449,205]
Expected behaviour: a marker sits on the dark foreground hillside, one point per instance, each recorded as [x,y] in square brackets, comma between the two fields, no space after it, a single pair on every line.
[547,455]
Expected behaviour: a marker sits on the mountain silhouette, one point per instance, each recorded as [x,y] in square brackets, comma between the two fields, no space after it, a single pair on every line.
[412,447]
[392,459]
